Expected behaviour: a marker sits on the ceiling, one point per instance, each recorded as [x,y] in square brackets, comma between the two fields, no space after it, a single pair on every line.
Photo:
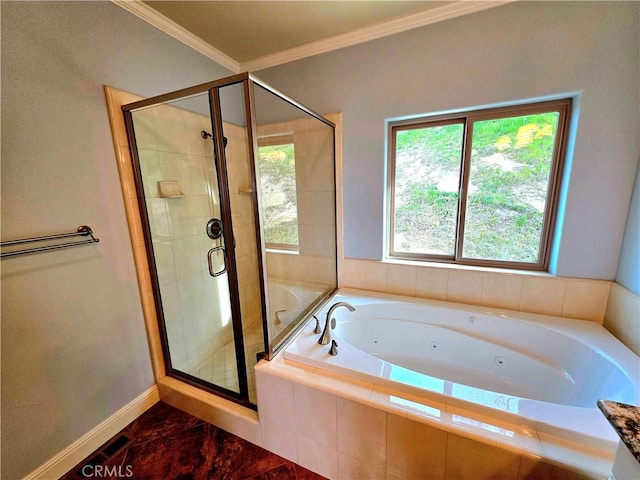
[249,35]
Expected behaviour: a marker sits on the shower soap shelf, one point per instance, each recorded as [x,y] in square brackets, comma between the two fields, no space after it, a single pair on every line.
[170,189]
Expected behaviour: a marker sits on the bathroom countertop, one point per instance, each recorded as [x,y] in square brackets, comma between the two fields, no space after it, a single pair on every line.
[625,420]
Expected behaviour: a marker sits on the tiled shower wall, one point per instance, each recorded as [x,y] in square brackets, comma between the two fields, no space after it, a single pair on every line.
[171,148]
[315,261]
[239,172]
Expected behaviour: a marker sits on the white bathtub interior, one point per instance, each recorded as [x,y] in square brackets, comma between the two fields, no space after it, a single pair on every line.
[542,372]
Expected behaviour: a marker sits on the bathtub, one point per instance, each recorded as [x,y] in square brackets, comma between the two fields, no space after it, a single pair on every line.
[541,372]
[288,301]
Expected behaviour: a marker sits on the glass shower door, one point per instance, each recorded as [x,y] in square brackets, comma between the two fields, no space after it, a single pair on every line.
[191,241]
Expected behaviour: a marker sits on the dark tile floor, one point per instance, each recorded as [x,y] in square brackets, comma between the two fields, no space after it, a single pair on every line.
[165,443]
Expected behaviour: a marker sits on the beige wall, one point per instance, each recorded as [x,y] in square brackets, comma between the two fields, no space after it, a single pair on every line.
[518,51]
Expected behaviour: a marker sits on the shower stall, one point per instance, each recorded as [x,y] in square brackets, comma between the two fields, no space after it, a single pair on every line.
[236,190]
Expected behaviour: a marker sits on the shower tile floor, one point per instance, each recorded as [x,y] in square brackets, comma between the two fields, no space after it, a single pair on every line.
[165,443]
[219,368]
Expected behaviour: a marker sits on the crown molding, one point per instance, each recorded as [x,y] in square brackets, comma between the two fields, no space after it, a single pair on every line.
[439,14]
[373,32]
[153,17]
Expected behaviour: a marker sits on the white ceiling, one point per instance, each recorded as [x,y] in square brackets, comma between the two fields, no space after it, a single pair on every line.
[251,35]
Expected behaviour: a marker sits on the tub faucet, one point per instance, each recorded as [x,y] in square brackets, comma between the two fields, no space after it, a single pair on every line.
[331,322]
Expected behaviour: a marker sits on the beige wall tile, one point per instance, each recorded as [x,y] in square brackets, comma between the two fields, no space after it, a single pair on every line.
[542,295]
[303,171]
[241,208]
[304,268]
[315,415]
[169,129]
[533,469]
[324,271]
[165,262]
[247,268]
[362,432]
[144,129]
[158,215]
[194,124]
[359,468]
[320,138]
[324,242]
[305,209]
[239,176]
[374,276]
[151,171]
[465,286]
[321,173]
[278,440]
[622,317]
[305,239]
[501,291]
[401,280]
[317,457]
[432,283]
[586,299]
[173,167]
[192,294]
[467,459]
[181,218]
[245,239]
[198,182]
[322,205]
[275,396]
[414,450]
[187,256]
[350,273]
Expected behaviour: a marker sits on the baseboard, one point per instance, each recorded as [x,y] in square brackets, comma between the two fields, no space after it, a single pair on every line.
[68,458]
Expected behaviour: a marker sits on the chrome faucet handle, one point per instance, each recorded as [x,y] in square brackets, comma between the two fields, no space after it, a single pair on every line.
[317,329]
[333,351]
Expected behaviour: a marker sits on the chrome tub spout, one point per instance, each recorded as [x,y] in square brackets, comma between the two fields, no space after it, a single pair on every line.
[330,323]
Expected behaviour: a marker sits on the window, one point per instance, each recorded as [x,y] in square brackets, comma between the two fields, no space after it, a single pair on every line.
[477,188]
[276,163]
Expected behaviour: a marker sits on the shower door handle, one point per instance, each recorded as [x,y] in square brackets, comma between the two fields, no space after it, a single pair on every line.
[210,262]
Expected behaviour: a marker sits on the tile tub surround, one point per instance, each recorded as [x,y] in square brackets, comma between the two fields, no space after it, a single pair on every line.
[622,317]
[350,429]
[530,292]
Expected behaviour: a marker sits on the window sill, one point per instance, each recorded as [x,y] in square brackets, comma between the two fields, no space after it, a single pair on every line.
[469,268]
[283,251]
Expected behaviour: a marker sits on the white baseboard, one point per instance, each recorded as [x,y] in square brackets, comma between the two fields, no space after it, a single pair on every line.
[68,458]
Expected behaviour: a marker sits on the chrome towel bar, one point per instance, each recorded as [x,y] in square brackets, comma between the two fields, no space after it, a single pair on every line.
[83,231]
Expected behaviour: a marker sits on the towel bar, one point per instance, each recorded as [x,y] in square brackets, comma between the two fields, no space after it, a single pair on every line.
[83,231]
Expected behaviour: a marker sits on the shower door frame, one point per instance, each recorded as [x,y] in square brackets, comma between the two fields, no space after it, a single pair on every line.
[220,162]
[248,81]
[270,351]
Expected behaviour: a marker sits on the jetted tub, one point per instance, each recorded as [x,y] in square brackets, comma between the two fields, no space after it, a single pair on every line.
[533,370]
